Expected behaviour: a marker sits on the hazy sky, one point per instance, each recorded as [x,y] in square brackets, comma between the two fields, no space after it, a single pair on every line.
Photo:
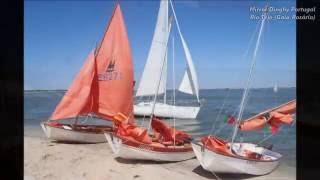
[60,34]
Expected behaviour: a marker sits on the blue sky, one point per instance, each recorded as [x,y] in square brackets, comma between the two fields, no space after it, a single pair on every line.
[60,34]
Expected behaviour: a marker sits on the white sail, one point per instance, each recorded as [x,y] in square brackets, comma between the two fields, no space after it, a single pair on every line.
[185,85]
[189,82]
[275,88]
[152,70]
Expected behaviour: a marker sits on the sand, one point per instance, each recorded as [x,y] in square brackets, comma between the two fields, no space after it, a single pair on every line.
[44,159]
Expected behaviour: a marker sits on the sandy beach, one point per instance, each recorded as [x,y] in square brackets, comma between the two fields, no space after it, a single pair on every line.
[44,159]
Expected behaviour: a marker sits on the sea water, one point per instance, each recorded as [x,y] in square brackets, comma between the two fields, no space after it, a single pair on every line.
[216,106]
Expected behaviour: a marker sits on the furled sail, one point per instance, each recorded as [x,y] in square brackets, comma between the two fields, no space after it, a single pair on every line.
[189,83]
[274,117]
[152,70]
[104,85]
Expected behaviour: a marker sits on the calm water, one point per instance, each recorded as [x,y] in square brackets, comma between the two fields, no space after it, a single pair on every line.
[38,106]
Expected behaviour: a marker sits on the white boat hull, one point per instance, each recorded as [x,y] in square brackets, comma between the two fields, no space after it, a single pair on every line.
[218,163]
[166,110]
[65,134]
[143,152]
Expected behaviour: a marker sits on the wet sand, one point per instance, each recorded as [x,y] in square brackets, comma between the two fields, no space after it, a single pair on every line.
[44,159]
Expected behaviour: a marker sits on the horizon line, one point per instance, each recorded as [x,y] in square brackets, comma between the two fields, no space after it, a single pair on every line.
[170,89]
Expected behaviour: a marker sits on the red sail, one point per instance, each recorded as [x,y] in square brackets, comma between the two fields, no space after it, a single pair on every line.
[77,100]
[274,117]
[169,134]
[113,92]
[104,85]
[216,144]
[122,128]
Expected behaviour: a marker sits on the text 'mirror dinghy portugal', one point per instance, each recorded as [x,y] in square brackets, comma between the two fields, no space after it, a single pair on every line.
[102,89]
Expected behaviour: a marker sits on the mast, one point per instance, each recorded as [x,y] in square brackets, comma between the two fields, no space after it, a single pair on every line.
[174,93]
[159,81]
[166,66]
[165,80]
[245,93]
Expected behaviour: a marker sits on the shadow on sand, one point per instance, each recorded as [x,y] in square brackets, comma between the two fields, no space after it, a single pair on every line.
[132,161]
[201,172]
[71,142]
[136,161]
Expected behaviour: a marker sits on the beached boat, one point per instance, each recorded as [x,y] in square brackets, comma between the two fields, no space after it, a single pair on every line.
[103,87]
[149,81]
[165,143]
[220,156]
[76,133]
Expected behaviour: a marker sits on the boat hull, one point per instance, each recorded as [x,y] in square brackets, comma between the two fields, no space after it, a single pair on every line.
[218,163]
[166,110]
[145,152]
[65,134]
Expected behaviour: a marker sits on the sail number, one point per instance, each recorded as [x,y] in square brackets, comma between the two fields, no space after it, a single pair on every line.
[108,76]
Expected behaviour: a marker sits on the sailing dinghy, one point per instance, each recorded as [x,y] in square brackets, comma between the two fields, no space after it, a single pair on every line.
[220,156]
[134,142]
[150,76]
[103,87]
[129,141]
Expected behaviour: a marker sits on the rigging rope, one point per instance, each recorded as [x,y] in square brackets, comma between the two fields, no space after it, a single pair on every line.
[174,95]
[225,124]
[144,115]
[248,83]
[220,110]
[233,75]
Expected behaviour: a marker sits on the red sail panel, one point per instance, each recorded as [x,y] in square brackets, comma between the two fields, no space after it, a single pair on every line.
[104,85]
[274,117]
[122,128]
[167,133]
[132,131]
[288,108]
[216,144]
[253,124]
[77,100]
[113,92]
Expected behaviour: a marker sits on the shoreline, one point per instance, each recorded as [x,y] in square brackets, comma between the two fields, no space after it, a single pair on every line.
[44,159]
